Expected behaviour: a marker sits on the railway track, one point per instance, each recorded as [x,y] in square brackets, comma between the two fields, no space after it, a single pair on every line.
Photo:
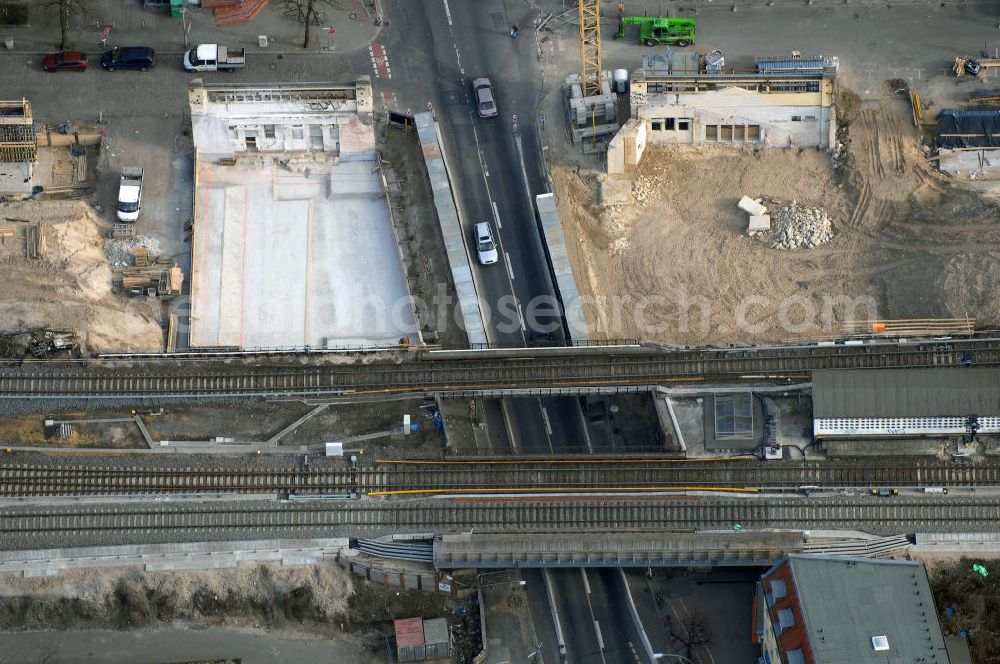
[53,478]
[149,522]
[461,373]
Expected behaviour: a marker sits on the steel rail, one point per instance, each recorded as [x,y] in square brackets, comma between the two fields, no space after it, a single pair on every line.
[57,478]
[502,515]
[412,374]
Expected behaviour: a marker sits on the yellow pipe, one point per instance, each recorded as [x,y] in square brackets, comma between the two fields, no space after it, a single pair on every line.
[430,462]
[411,492]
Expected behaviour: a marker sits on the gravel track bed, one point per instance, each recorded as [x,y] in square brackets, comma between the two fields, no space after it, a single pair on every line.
[129,522]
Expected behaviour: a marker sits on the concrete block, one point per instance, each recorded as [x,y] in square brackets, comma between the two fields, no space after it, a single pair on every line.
[751,207]
[761,222]
[615,192]
[172,564]
[41,571]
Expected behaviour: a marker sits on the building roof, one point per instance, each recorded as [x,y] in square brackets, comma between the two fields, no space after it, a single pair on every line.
[436,631]
[945,392]
[848,602]
[959,128]
[409,632]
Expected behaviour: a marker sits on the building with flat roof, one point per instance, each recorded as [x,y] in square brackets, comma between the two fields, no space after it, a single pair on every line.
[830,610]
[677,98]
[943,401]
[293,243]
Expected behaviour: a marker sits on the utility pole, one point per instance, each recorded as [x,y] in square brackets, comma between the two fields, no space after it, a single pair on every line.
[186,26]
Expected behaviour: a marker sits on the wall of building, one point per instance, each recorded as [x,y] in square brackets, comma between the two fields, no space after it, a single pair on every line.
[285,135]
[735,115]
[626,148]
[899,426]
[795,636]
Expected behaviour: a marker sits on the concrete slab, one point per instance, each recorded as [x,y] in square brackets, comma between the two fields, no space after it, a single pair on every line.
[296,256]
[615,192]
[759,222]
[152,557]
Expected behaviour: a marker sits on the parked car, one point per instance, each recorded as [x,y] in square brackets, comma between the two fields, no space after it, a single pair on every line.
[486,104]
[485,246]
[65,61]
[129,57]
[213,57]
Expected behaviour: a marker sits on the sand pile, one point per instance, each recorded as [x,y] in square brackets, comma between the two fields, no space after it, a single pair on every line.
[69,286]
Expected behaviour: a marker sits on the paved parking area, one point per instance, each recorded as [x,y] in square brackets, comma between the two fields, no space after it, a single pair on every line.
[143,115]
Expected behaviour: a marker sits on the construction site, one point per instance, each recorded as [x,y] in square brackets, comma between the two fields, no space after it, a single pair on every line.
[571,332]
[655,226]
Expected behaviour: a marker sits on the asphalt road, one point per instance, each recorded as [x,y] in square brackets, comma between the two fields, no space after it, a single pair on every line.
[495,176]
[541,615]
[576,617]
[608,596]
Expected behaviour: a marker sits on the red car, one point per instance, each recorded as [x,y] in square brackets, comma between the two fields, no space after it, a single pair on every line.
[65,61]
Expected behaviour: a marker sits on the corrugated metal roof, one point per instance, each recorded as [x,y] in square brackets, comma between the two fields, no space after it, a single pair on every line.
[436,631]
[409,632]
[847,601]
[945,392]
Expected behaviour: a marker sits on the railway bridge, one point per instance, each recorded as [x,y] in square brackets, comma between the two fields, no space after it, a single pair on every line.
[493,372]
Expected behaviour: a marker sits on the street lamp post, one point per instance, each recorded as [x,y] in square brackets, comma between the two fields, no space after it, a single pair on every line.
[186,26]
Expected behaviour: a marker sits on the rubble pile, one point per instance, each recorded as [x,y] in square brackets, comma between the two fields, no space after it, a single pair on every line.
[646,187]
[794,226]
[786,225]
[121,251]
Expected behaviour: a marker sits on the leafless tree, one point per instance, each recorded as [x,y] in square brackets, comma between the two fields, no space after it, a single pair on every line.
[698,632]
[308,13]
[67,9]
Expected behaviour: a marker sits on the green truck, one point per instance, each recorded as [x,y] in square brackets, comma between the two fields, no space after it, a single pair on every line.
[654,30]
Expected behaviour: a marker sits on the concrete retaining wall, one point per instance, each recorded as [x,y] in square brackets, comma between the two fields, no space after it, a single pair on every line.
[555,244]
[158,557]
[451,228]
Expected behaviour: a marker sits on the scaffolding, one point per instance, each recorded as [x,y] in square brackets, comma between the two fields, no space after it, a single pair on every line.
[17,132]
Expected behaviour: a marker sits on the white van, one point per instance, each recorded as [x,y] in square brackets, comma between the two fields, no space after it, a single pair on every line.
[485,246]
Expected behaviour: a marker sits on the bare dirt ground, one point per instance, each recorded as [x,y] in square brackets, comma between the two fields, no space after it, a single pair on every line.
[420,239]
[69,286]
[245,421]
[123,598]
[907,243]
[324,600]
[972,599]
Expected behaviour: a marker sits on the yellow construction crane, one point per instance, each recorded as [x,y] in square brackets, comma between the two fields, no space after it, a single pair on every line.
[590,47]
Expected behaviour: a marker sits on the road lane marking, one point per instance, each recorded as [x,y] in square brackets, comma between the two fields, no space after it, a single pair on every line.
[510,270]
[447,11]
[380,60]
[545,419]
[496,216]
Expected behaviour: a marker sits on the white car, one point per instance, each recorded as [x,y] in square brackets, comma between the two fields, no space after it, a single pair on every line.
[486,105]
[485,246]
